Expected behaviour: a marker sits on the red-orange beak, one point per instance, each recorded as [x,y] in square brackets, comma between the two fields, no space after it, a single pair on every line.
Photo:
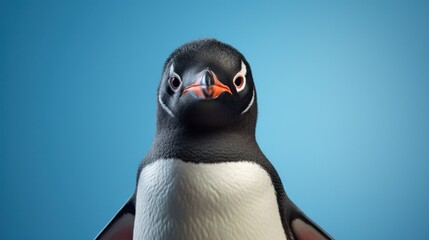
[207,86]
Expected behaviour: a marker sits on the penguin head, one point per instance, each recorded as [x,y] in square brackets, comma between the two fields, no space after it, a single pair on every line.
[206,84]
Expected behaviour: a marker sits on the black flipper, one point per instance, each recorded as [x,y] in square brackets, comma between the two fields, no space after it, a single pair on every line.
[122,224]
[303,228]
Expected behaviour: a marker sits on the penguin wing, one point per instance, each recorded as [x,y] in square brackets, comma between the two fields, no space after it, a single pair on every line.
[296,224]
[304,228]
[122,224]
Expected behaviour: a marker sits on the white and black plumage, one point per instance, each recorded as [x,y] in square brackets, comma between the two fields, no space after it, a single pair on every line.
[205,176]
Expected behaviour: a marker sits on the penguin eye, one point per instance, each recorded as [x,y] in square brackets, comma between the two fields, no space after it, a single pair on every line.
[240,78]
[239,82]
[175,82]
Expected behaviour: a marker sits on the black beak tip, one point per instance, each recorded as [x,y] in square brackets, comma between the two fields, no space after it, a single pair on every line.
[207,78]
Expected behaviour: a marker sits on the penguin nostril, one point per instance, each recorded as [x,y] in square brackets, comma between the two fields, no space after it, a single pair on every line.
[175,83]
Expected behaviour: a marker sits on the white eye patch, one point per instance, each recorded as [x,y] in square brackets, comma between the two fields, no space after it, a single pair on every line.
[163,105]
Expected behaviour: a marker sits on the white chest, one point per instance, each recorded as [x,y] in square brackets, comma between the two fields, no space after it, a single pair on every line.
[180,200]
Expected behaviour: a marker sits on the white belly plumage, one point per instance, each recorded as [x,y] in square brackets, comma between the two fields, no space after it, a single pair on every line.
[182,200]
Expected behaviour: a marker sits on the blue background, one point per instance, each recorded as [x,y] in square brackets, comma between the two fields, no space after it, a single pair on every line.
[343,107]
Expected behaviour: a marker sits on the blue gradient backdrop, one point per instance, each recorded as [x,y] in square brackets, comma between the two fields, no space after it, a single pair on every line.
[343,103]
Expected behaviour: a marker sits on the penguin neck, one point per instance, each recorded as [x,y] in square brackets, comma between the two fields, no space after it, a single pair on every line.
[184,134]
[174,140]
[171,126]
[213,146]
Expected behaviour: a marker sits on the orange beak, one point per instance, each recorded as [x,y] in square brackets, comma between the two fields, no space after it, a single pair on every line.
[207,86]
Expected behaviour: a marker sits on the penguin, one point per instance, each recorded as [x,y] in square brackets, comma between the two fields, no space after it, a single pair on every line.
[205,176]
